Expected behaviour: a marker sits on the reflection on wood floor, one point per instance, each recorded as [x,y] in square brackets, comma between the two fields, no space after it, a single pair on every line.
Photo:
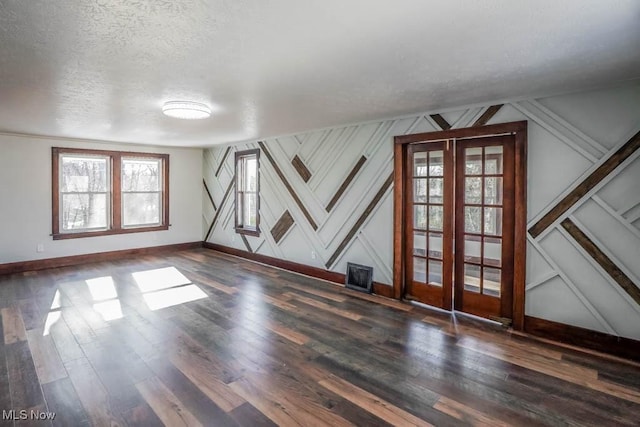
[201,338]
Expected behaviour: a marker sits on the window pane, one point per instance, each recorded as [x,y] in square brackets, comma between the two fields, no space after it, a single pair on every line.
[435,218]
[420,190]
[140,175]
[436,189]
[420,217]
[84,174]
[81,211]
[493,251]
[420,270]
[436,165]
[435,245]
[472,222]
[251,174]
[473,161]
[472,248]
[435,272]
[419,243]
[140,209]
[250,210]
[493,191]
[472,278]
[493,160]
[420,164]
[493,221]
[491,281]
[473,190]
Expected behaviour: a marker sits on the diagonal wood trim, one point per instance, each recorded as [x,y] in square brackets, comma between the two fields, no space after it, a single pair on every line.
[209,194]
[360,220]
[603,260]
[573,335]
[282,226]
[224,199]
[346,183]
[585,186]
[246,243]
[300,167]
[224,158]
[487,115]
[444,125]
[304,210]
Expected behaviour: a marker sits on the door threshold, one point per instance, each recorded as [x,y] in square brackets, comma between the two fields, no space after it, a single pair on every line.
[454,313]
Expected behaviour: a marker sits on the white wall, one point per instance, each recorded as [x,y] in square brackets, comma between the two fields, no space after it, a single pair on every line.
[25,200]
[569,136]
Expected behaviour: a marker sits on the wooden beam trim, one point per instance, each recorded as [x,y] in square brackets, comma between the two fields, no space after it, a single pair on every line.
[301,168]
[224,158]
[304,210]
[363,217]
[67,261]
[346,183]
[444,124]
[209,194]
[603,260]
[282,226]
[224,199]
[572,335]
[586,185]
[487,115]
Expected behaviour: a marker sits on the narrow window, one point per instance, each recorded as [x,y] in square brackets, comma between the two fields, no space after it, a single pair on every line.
[248,192]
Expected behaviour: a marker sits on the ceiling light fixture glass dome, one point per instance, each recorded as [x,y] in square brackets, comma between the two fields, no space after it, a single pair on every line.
[188,110]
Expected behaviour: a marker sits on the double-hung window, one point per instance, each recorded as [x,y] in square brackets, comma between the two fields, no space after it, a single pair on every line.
[247,192]
[141,192]
[97,192]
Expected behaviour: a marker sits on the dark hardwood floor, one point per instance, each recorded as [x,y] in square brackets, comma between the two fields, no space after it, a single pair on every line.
[201,338]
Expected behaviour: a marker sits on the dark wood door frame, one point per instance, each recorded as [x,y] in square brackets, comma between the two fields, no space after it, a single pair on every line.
[401,144]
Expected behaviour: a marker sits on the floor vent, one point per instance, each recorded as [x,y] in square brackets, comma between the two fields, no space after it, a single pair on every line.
[359,277]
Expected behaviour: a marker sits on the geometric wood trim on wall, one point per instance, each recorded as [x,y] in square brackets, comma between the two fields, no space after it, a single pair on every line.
[246,242]
[346,183]
[282,226]
[487,115]
[585,186]
[300,167]
[363,217]
[304,210]
[209,194]
[602,259]
[224,199]
[224,157]
[441,121]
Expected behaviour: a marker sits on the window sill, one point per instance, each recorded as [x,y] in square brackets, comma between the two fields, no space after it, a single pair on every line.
[63,236]
[249,232]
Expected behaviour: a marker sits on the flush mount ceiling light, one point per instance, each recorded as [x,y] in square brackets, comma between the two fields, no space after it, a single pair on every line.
[186,110]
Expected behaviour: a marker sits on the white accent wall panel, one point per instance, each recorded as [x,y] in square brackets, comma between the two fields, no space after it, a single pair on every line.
[569,136]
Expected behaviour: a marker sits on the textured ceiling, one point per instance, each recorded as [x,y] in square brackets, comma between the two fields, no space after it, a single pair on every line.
[102,69]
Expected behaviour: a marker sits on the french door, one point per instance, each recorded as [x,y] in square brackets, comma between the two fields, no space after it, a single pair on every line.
[459,222]
[429,221]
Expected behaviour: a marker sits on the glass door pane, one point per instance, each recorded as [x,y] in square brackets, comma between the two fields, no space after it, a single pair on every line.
[483,196]
[431,254]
